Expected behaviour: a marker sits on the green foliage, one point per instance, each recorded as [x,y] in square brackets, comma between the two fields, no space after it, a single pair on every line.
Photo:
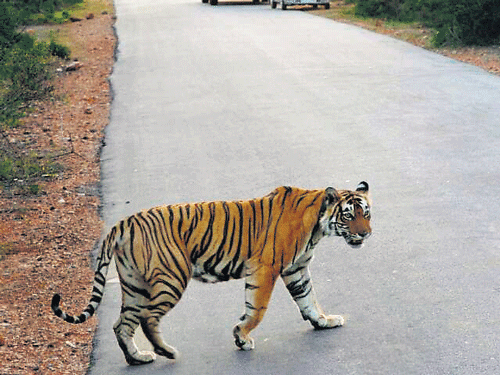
[23,169]
[467,22]
[59,50]
[458,22]
[18,167]
[42,11]
[25,73]
[392,9]
[25,63]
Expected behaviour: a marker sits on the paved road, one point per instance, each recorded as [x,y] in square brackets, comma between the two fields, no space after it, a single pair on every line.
[231,101]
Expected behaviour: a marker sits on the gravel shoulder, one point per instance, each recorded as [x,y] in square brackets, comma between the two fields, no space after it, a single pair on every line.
[46,239]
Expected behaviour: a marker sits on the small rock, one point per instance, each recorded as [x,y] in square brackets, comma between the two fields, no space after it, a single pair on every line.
[75,65]
[70,344]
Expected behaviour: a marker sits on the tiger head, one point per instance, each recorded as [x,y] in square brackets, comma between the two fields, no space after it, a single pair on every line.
[348,214]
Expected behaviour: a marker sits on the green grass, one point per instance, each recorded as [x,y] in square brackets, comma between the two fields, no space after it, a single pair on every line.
[24,171]
[26,73]
[95,7]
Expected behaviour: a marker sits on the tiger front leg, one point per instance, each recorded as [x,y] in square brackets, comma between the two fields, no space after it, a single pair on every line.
[300,286]
[258,289]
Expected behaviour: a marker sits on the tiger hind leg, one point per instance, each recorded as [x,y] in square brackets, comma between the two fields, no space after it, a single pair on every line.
[124,330]
[150,327]
[166,291]
[135,298]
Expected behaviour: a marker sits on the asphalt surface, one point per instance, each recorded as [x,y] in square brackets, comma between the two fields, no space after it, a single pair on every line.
[229,102]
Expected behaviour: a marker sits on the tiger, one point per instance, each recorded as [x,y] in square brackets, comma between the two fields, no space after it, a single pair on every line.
[157,251]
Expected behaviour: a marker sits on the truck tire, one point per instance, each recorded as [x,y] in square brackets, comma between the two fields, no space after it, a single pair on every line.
[273,4]
[327,6]
[214,2]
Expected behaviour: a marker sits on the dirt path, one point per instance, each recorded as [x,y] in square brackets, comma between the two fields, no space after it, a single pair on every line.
[45,240]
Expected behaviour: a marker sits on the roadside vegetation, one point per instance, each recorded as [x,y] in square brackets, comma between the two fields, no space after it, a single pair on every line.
[464,30]
[455,22]
[27,66]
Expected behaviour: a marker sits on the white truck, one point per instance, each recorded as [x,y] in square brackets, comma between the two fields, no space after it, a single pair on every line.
[286,3]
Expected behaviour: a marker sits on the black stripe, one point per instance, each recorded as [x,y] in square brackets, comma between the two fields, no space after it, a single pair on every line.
[300,288]
[134,289]
[207,236]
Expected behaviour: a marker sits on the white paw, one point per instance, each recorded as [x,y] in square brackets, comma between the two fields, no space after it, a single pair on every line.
[167,351]
[244,343]
[140,358]
[328,321]
[248,345]
[146,356]
[334,321]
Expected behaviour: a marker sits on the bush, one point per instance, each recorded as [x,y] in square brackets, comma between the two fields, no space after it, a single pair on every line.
[25,63]
[467,22]
[25,72]
[24,77]
[42,11]
[59,50]
[456,21]
[379,8]
[28,72]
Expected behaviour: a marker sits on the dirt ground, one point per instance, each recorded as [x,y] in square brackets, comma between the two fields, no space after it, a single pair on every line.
[46,239]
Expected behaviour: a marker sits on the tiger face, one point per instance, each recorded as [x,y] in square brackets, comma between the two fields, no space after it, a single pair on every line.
[350,216]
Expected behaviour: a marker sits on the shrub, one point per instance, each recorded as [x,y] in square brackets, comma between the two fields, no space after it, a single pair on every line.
[25,63]
[59,50]
[41,11]
[379,8]
[456,21]
[467,22]
[25,69]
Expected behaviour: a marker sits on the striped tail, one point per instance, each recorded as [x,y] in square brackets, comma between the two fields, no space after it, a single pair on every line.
[103,262]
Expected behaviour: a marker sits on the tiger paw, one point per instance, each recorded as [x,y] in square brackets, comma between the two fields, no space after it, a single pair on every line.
[244,343]
[167,351]
[140,358]
[328,321]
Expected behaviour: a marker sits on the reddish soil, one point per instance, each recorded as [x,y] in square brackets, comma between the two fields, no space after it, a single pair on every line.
[46,239]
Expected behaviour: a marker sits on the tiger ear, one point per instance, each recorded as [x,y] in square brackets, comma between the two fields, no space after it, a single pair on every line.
[362,187]
[331,195]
